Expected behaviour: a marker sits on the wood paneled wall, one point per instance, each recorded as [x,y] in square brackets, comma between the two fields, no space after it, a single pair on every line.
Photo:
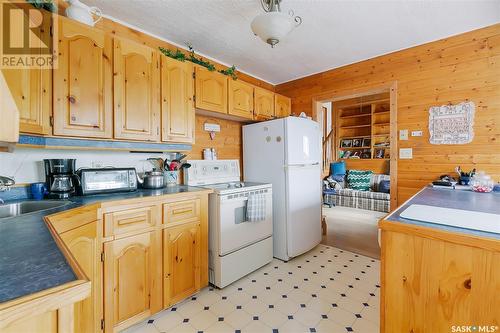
[452,70]
[227,142]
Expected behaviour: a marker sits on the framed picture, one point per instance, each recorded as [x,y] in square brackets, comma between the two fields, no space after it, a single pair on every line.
[357,143]
[379,153]
[367,142]
[346,143]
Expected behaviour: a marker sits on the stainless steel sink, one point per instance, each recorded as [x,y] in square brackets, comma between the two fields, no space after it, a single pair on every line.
[26,207]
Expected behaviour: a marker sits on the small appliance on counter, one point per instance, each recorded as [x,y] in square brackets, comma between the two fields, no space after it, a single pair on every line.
[60,178]
[240,220]
[152,179]
[106,180]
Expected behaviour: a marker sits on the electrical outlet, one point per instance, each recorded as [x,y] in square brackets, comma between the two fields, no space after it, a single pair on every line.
[417,133]
[211,127]
[403,134]
[405,153]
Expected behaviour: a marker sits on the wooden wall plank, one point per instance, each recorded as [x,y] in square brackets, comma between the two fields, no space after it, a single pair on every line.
[452,70]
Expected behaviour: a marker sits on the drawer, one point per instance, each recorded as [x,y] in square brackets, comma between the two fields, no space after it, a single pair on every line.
[130,220]
[180,211]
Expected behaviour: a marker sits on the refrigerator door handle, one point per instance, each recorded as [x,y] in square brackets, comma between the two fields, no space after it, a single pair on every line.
[301,165]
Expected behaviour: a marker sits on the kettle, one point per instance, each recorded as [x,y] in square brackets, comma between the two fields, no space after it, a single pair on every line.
[81,12]
[152,179]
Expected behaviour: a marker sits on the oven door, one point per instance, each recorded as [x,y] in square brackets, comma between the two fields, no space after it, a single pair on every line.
[235,232]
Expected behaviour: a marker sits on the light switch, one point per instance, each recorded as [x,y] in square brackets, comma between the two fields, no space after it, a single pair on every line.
[416,133]
[405,153]
[403,134]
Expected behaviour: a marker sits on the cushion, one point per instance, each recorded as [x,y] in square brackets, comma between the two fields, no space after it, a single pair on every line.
[384,186]
[337,168]
[359,180]
[376,179]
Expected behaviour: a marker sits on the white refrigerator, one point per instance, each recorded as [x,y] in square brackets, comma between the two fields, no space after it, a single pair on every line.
[286,152]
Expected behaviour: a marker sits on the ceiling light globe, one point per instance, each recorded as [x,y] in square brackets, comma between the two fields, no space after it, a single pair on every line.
[271,27]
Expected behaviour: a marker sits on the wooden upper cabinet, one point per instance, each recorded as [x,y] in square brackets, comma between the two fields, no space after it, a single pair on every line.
[282,106]
[31,89]
[132,279]
[181,262]
[211,90]
[85,245]
[264,104]
[241,99]
[136,91]
[177,107]
[83,99]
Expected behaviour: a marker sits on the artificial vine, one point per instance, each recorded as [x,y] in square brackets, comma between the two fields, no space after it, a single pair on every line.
[180,56]
[43,4]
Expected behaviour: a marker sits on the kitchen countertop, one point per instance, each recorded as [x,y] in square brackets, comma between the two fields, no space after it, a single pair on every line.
[456,199]
[30,260]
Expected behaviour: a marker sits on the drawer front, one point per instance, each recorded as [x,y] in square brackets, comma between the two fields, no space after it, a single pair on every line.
[180,211]
[129,220]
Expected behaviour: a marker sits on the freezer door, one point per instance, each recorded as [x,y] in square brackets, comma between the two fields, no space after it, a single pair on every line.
[303,208]
[302,141]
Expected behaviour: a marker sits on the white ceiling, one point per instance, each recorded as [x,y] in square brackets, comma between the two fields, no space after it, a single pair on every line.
[333,33]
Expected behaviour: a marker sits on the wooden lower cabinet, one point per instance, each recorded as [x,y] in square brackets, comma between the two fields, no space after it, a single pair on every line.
[181,262]
[85,245]
[56,321]
[132,278]
[432,285]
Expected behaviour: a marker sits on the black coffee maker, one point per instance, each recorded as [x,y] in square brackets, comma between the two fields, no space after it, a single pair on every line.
[60,177]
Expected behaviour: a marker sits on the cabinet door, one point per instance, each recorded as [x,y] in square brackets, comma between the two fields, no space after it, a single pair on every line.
[211,90]
[31,89]
[181,262]
[83,97]
[282,106]
[136,91]
[241,99]
[177,109]
[84,243]
[264,104]
[132,279]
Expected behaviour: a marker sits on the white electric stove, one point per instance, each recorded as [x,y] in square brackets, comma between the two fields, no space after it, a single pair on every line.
[237,247]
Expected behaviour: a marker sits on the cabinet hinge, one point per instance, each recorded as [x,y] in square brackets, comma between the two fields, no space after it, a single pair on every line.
[102,324]
[102,256]
[157,131]
[194,75]
[194,98]
[51,30]
[51,121]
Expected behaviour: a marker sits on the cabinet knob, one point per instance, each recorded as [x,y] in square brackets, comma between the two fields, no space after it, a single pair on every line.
[72,99]
[468,284]
[404,278]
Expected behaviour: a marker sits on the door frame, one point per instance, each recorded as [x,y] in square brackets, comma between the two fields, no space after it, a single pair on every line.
[390,87]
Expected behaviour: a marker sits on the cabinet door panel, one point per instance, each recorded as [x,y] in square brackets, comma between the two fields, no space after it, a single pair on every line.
[31,88]
[181,262]
[264,104]
[84,243]
[177,101]
[241,99]
[282,106]
[132,279]
[82,82]
[136,91]
[211,90]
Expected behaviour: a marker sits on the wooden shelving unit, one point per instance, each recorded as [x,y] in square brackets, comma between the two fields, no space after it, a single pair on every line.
[363,128]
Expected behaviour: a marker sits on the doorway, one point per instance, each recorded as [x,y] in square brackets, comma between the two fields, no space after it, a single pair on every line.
[359,128]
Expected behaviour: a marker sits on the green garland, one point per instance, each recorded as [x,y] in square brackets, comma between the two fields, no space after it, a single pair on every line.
[44,4]
[180,56]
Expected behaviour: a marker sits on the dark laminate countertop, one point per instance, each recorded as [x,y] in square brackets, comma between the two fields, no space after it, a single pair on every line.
[30,260]
[456,199]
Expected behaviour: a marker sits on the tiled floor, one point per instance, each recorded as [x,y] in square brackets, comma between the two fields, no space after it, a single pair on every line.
[324,290]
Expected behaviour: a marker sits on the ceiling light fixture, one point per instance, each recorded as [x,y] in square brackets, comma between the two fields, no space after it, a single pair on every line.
[273,25]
